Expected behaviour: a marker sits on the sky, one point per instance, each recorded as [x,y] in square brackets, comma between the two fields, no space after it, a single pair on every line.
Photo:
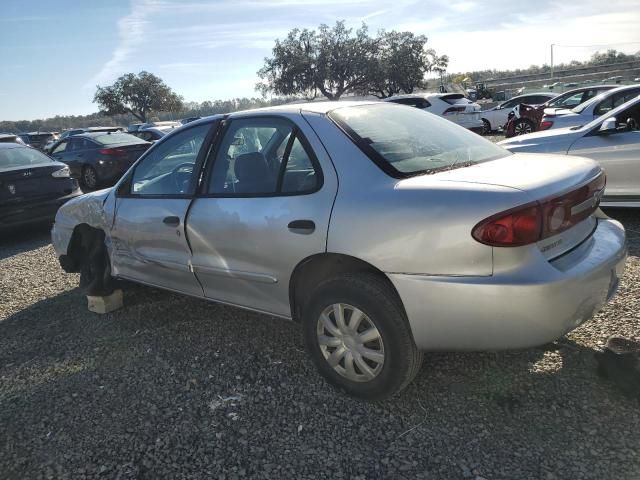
[55,52]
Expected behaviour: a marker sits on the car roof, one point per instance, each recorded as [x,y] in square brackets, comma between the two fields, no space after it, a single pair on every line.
[5,146]
[98,134]
[314,107]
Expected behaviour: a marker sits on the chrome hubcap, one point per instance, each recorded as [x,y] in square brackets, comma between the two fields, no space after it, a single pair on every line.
[350,342]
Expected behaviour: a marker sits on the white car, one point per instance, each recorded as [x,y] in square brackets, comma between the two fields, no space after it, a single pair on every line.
[613,140]
[496,117]
[587,111]
[452,106]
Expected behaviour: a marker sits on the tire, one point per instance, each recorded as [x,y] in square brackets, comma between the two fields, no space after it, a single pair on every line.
[89,177]
[382,310]
[522,127]
[95,275]
[486,127]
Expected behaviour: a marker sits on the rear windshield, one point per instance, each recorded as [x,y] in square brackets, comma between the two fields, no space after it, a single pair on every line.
[455,98]
[112,138]
[22,157]
[408,141]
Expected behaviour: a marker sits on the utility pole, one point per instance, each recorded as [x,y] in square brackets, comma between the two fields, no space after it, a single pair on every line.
[552,63]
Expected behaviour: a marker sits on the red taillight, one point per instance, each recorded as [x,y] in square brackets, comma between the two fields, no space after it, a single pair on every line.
[545,125]
[536,221]
[118,152]
[454,110]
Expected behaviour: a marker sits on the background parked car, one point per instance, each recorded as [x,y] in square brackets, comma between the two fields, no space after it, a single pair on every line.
[452,106]
[32,186]
[10,138]
[38,139]
[613,140]
[99,158]
[587,111]
[525,118]
[76,131]
[152,134]
[496,117]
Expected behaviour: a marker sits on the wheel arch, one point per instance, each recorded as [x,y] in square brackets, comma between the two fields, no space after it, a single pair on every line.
[83,240]
[312,270]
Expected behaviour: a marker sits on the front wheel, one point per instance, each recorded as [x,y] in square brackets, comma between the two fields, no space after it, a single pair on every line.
[357,334]
[522,127]
[95,275]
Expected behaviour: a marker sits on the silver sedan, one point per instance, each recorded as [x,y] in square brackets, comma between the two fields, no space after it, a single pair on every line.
[612,140]
[383,230]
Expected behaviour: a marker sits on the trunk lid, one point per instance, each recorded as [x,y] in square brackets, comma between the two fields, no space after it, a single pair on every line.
[539,177]
[35,183]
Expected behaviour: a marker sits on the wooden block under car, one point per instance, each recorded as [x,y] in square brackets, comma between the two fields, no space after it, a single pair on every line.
[105,304]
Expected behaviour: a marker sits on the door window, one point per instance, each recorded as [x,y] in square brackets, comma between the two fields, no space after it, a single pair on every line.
[262,157]
[168,168]
[615,101]
[62,146]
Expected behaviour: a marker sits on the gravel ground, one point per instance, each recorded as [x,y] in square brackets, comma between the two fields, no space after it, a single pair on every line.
[174,387]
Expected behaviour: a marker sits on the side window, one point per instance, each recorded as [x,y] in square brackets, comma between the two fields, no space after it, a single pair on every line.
[510,103]
[62,146]
[261,156]
[299,173]
[168,169]
[571,101]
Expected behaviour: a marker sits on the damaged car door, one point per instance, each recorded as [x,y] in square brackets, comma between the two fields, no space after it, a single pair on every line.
[148,235]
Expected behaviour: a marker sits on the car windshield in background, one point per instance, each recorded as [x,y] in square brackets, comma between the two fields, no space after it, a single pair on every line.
[22,157]
[113,138]
[407,141]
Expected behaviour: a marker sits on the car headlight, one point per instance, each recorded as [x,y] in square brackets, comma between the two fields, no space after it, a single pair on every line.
[62,173]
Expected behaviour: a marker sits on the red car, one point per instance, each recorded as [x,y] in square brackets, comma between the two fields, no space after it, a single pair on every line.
[525,118]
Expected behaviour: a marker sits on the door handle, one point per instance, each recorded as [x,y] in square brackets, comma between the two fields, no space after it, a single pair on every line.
[304,227]
[171,221]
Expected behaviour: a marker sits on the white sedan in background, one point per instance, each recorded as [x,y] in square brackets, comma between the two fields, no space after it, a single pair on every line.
[452,106]
[613,140]
[587,111]
[497,116]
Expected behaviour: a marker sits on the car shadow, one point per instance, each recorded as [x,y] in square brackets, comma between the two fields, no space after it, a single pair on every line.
[24,239]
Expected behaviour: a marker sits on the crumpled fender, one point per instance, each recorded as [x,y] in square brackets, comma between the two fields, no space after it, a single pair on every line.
[86,209]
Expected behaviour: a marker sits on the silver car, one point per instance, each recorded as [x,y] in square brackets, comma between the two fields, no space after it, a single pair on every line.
[382,229]
[612,140]
[589,110]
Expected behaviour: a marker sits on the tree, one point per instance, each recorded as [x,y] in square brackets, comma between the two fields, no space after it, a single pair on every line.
[138,95]
[401,62]
[331,62]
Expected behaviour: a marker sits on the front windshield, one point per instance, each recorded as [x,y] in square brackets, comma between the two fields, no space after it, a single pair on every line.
[407,141]
[22,157]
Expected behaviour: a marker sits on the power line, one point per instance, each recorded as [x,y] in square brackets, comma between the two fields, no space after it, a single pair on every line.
[600,45]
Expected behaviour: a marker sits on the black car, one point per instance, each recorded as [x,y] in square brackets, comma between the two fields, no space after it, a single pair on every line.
[32,186]
[99,158]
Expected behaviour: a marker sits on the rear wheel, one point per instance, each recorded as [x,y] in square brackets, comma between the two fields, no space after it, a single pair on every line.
[486,127]
[359,338]
[522,127]
[89,177]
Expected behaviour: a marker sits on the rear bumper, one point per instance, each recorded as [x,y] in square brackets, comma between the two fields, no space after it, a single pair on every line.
[28,213]
[517,309]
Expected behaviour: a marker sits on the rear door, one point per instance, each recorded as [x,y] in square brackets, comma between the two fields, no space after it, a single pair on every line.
[264,208]
[148,234]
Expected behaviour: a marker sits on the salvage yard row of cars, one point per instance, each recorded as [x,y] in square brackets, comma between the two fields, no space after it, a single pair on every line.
[384,230]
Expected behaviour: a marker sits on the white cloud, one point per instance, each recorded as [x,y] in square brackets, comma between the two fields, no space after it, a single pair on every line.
[131,32]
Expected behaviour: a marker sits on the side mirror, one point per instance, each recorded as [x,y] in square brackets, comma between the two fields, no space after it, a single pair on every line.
[610,125]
